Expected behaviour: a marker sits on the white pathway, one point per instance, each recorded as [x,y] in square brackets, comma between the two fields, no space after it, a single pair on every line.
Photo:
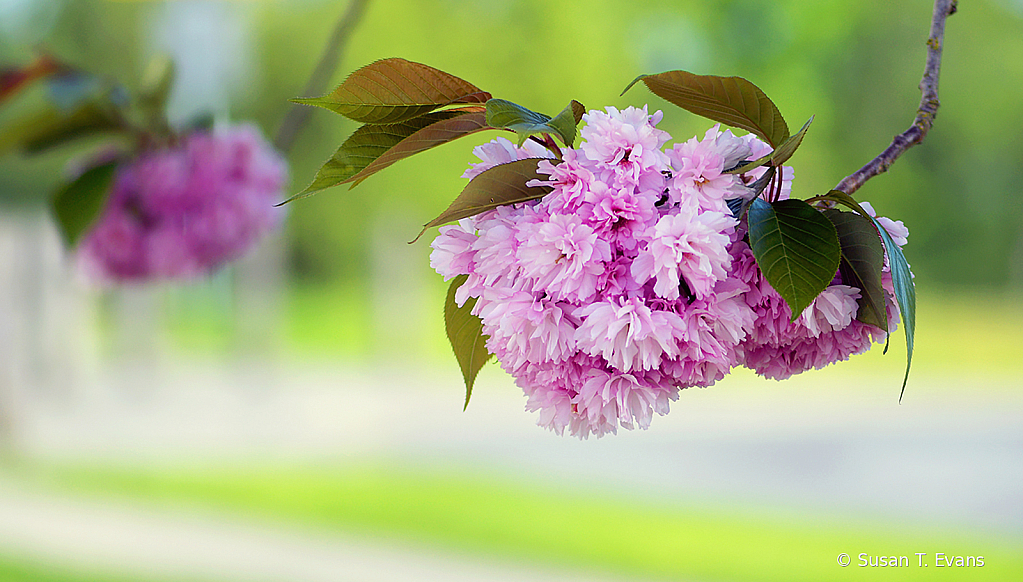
[120,538]
[822,445]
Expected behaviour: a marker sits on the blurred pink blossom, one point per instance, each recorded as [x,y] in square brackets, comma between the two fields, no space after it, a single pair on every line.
[185,210]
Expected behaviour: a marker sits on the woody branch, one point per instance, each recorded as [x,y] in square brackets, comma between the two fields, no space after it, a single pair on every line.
[925,114]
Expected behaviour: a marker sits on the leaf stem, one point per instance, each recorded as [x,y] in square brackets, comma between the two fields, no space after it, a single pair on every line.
[551,145]
[928,104]
[317,84]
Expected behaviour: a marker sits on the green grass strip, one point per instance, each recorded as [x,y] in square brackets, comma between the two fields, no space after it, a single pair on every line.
[19,569]
[651,537]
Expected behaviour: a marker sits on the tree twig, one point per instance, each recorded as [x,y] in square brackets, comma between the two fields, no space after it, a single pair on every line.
[925,114]
[317,84]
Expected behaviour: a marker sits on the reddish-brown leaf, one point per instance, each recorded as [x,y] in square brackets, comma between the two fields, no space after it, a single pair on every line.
[469,120]
[374,147]
[396,90]
[501,185]
[730,100]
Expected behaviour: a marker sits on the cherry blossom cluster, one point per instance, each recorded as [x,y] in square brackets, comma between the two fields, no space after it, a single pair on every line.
[631,279]
[183,211]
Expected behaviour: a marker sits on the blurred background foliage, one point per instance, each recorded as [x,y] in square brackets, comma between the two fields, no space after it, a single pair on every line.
[854,65]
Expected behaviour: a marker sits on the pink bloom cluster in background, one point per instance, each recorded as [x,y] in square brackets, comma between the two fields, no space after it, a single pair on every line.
[185,210]
[631,280]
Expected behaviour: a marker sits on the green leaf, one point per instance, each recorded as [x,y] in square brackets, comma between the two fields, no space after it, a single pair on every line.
[797,249]
[396,90]
[77,205]
[465,332]
[902,278]
[504,114]
[730,100]
[374,147]
[862,262]
[905,294]
[50,127]
[498,186]
[786,149]
[68,104]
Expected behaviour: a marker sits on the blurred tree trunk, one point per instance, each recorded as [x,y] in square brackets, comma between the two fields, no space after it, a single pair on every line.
[47,336]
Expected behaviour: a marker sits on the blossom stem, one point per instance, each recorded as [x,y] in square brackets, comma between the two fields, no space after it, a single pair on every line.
[298,115]
[925,114]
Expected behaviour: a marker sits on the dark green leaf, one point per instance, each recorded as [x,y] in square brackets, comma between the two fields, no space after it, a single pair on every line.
[862,262]
[730,100]
[839,197]
[73,104]
[498,186]
[72,89]
[902,278]
[786,149]
[465,332]
[504,114]
[77,205]
[905,294]
[50,128]
[797,249]
[396,90]
[374,147]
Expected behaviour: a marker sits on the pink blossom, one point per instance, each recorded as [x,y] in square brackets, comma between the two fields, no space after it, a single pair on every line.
[551,387]
[621,214]
[563,256]
[698,168]
[833,310]
[689,244]
[625,142]
[570,179]
[524,328]
[628,334]
[609,399]
[452,253]
[581,292]
[497,244]
[895,228]
[501,151]
[185,210]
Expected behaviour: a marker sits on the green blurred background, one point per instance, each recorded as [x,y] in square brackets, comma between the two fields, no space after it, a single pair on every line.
[854,65]
[345,289]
